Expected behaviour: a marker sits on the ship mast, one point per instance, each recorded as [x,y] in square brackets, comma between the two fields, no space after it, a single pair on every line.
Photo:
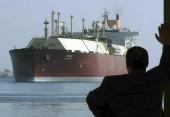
[93,26]
[58,21]
[46,29]
[56,27]
[83,20]
[105,16]
[71,28]
[52,23]
[45,32]
[97,35]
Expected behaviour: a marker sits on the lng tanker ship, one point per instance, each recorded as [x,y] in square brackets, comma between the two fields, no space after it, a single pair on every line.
[74,56]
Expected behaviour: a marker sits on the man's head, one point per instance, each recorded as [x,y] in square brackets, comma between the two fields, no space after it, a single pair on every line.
[136,58]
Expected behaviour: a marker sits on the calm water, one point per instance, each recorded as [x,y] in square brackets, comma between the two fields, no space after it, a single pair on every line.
[57,99]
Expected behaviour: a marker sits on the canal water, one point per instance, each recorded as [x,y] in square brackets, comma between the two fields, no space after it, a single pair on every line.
[44,99]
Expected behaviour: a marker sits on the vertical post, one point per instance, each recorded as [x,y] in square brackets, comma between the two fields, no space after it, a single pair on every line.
[83,20]
[167,88]
[52,23]
[167,11]
[58,26]
[71,25]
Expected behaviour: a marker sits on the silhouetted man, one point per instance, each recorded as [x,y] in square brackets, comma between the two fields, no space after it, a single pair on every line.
[138,93]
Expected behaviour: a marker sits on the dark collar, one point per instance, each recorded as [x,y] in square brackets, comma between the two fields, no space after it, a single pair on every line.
[138,71]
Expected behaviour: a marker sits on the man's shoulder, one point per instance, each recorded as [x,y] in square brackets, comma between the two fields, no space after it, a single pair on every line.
[114,78]
[153,70]
[156,71]
[158,74]
[111,77]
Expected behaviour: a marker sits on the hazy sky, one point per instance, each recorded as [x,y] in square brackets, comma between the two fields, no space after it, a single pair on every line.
[20,20]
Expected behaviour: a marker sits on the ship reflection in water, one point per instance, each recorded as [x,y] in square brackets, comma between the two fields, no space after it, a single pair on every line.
[56,99]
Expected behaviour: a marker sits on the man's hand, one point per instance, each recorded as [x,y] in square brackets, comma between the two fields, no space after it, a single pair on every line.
[164,34]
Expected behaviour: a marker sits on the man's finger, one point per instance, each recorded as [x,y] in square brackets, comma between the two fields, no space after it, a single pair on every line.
[159,29]
[157,37]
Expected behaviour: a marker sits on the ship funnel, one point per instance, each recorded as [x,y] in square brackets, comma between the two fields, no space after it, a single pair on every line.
[117,22]
[117,16]
[52,23]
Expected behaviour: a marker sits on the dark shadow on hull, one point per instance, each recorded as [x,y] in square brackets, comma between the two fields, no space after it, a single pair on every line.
[24,79]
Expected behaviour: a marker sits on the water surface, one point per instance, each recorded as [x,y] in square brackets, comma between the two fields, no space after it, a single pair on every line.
[50,99]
